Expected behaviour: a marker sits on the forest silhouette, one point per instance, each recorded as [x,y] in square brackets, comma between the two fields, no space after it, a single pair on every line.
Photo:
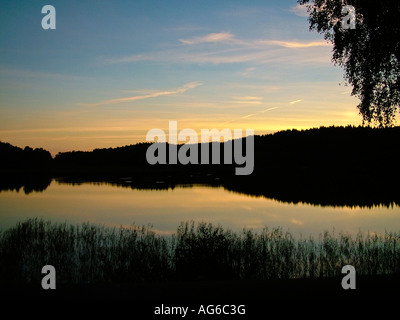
[337,166]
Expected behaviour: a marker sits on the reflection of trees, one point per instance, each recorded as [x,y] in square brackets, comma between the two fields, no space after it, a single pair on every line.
[29,184]
[334,166]
[321,195]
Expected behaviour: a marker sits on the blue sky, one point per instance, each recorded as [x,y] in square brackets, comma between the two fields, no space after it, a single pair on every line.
[113,70]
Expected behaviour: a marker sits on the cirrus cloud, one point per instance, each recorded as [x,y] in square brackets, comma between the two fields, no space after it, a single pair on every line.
[223,37]
[231,50]
[182,89]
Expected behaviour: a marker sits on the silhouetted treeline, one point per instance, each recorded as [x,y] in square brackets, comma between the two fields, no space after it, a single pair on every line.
[102,161]
[332,150]
[327,166]
[28,169]
[342,165]
[15,159]
[132,159]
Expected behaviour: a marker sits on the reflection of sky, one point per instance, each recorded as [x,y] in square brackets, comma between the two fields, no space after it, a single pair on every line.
[113,69]
[116,206]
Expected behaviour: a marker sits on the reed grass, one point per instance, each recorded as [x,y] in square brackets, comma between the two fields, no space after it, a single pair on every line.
[88,253]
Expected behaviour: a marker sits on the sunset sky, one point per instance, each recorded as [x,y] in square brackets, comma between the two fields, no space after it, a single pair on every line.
[113,70]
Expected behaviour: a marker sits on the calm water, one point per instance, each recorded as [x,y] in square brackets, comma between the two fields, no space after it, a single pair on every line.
[165,209]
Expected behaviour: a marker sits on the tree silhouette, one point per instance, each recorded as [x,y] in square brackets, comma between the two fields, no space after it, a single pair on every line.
[369,53]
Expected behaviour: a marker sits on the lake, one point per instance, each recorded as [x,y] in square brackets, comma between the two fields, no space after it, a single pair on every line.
[164,209]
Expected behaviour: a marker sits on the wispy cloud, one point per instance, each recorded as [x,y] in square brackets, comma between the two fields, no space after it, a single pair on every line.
[268,109]
[247,72]
[67,130]
[248,100]
[300,10]
[229,38]
[155,94]
[229,49]
[251,115]
[295,101]
[294,44]
[221,37]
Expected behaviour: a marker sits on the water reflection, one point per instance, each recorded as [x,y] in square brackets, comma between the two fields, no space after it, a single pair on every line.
[289,193]
[165,206]
[301,193]
[26,183]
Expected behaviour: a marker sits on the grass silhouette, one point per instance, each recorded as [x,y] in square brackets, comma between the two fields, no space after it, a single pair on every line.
[89,254]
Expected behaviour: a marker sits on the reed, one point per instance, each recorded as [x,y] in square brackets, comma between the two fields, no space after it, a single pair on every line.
[88,253]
